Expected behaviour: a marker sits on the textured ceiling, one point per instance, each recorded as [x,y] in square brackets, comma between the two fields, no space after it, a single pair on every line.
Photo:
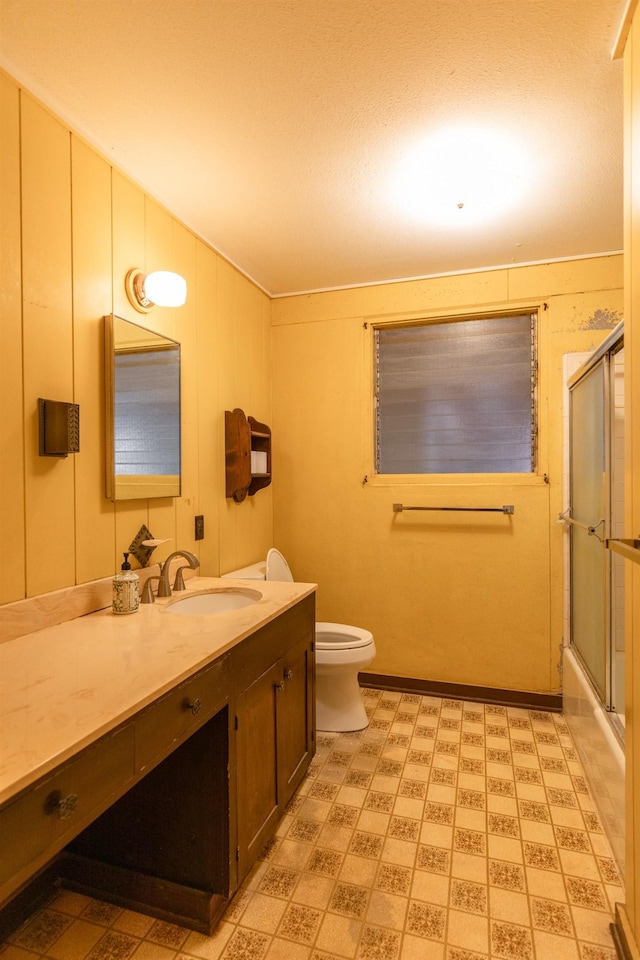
[275,128]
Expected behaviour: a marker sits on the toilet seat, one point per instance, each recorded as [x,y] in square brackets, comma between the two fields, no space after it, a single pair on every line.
[340,636]
[277,567]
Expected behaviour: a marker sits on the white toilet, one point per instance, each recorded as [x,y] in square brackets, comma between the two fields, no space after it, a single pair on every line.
[341,652]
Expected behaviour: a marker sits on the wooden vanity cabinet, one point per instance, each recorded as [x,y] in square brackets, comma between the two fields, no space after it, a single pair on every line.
[295,717]
[163,846]
[275,727]
[167,813]
[41,820]
[256,746]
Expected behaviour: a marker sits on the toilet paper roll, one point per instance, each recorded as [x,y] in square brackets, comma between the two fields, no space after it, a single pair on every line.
[258,461]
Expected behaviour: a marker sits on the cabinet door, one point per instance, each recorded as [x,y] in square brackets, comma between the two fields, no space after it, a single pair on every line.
[295,704]
[257,759]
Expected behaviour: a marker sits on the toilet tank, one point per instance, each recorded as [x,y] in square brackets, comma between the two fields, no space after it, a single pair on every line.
[255,571]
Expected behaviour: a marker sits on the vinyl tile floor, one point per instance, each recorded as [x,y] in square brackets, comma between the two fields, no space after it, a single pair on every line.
[444,831]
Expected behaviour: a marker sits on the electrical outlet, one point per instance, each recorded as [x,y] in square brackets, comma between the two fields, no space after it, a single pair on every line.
[200,527]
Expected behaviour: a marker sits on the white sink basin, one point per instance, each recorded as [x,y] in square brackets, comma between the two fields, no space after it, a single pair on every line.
[215,601]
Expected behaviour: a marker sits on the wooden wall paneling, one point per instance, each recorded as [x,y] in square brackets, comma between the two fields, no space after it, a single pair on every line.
[244,355]
[12,513]
[184,261]
[246,365]
[158,239]
[252,305]
[128,219]
[159,255]
[260,537]
[243,308]
[128,230]
[228,400]
[85,226]
[255,530]
[48,348]
[92,300]
[226,294]
[161,520]
[210,423]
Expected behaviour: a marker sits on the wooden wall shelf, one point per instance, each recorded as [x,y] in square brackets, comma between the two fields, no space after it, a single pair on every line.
[244,437]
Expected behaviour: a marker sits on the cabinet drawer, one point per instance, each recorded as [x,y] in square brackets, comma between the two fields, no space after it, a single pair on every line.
[47,817]
[257,652]
[183,710]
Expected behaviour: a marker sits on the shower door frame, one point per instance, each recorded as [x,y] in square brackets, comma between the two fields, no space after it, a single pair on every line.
[604,356]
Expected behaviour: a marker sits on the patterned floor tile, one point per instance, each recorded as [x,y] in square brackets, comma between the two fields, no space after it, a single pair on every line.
[443,831]
[379,944]
[42,930]
[511,941]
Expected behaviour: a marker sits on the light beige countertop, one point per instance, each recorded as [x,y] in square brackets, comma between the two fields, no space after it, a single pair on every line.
[64,686]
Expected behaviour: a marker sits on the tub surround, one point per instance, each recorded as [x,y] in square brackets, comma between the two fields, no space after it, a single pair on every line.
[601,752]
[92,695]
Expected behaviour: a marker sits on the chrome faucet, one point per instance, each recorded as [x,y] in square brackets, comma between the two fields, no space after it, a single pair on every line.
[164,587]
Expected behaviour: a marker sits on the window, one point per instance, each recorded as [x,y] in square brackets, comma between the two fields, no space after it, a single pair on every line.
[456,396]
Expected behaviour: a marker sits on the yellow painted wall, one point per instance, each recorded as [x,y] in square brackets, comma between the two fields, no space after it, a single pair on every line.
[467,598]
[72,226]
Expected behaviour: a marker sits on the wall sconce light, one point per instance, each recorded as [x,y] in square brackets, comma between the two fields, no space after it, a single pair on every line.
[161,288]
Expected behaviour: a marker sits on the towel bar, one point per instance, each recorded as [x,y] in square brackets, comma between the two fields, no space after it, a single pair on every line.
[507,508]
[630,549]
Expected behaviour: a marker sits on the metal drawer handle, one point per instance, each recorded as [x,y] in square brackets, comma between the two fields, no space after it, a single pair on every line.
[288,675]
[193,705]
[279,686]
[64,805]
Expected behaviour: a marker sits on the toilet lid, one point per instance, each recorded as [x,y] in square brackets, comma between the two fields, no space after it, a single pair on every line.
[341,636]
[277,566]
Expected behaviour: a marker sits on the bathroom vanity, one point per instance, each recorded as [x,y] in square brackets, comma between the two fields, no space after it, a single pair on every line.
[146,759]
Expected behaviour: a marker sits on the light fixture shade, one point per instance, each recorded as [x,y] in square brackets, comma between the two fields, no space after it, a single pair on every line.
[163,288]
[166,289]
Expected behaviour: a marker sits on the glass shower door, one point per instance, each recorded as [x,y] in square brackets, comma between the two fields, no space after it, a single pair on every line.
[589,510]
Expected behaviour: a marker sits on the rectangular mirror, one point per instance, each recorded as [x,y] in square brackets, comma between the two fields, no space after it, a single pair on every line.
[142,379]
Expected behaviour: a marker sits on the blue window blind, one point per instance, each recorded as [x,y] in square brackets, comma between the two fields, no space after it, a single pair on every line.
[456,396]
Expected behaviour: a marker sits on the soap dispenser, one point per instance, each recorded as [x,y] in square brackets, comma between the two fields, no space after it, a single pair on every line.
[126,592]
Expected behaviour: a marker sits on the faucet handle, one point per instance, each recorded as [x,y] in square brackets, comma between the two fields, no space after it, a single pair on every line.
[147,590]
[164,589]
[178,583]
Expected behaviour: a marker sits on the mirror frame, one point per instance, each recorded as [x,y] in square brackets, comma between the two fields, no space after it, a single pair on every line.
[141,487]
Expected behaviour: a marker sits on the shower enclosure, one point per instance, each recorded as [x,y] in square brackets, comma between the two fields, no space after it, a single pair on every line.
[594,661]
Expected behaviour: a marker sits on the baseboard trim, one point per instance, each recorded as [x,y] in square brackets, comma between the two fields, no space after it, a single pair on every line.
[464,691]
[31,896]
[622,934]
